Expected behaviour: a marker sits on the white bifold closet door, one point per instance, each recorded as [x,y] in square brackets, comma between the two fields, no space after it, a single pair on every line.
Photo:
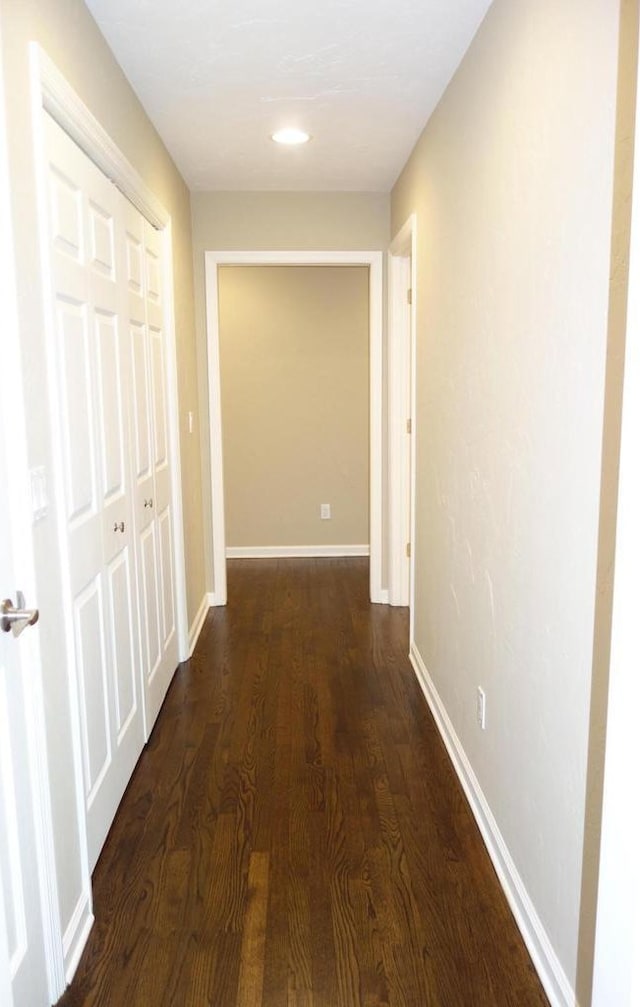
[150,458]
[118,584]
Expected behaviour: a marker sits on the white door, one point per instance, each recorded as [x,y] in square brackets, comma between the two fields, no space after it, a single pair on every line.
[23,973]
[152,474]
[156,688]
[21,940]
[93,388]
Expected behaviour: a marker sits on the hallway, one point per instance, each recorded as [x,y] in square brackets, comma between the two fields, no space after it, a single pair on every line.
[294,834]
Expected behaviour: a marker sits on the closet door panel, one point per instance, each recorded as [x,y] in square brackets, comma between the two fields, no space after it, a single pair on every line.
[77,421]
[153,265]
[163,519]
[166,561]
[105,268]
[150,601]
[66,213]
[138,345]
[93,374]
[123,640]
[161,468]
[142,429]
[160,445]
[92,661]
[111,384]
[102,239]
[134,251]
[140,398]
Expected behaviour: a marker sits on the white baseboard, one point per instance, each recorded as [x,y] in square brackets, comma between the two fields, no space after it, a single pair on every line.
[76,935]
[196,626]
[546,962]
[216,600]
[381,598]
[300,551]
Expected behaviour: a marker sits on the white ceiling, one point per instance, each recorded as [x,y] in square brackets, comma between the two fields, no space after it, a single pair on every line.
[217,77]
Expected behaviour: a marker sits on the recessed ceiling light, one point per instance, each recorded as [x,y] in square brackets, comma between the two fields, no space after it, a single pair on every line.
[292,137]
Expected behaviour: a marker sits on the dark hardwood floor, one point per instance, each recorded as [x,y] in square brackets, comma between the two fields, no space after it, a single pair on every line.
[294,835]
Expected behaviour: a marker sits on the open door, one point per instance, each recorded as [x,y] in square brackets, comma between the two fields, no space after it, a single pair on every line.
[22,955]
[27,976]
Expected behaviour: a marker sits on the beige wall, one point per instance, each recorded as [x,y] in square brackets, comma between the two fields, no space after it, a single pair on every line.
[280,221]
[512,185]
[294,366]
[68,34]
[304,221]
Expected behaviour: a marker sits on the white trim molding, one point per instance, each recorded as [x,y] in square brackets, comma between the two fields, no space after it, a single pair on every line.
[196,626]
[401,340]
[76,935]
[546,962]
[372,259]
[218,536]
[69,111]
[301,551]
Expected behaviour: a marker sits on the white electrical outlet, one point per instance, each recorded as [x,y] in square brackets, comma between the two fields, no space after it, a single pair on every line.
[325,512]
[481,709]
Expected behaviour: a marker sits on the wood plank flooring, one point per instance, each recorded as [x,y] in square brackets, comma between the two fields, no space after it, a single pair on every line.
[294,835]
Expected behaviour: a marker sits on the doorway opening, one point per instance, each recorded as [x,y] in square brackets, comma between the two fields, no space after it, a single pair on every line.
[373,261]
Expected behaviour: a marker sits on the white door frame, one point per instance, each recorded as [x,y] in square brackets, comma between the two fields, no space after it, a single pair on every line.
[53,93]
[373,260]
[12,405]
[401,266]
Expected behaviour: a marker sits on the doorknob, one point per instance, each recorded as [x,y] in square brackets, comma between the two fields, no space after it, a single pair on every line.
[16,619]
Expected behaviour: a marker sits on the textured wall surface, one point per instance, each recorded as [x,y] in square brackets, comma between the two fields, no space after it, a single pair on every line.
[512,185]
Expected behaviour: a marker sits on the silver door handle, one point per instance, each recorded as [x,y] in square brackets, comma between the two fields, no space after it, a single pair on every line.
[16,619]
[149,502]
[118,527]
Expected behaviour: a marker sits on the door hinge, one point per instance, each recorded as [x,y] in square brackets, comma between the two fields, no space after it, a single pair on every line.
[409,426]
[408,550]
[409,296]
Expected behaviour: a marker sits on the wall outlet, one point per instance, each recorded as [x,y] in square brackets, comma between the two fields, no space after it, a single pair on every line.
[481,709]
[325,512]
